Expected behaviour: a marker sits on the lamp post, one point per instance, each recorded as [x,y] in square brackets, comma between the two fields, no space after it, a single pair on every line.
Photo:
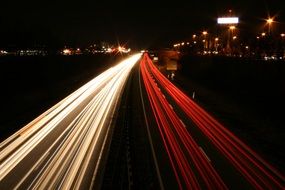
[230,22]
[269,21]
[216,44]
[283,44]
[230,36]
[205,33]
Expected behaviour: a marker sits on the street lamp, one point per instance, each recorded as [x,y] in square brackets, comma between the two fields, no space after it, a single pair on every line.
[232,27]
[269,21]
[282,35]
[204,40]
[216,44]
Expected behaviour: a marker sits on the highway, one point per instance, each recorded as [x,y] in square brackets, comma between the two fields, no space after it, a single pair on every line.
[63,147]
[131,128]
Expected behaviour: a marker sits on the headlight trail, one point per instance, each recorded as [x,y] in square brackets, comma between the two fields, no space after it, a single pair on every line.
[65,138]
[254,169]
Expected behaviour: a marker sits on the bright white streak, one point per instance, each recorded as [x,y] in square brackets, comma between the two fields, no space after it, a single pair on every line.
[22,142]
[228,20]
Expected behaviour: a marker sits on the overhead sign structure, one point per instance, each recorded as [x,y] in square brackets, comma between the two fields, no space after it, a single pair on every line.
[228,20]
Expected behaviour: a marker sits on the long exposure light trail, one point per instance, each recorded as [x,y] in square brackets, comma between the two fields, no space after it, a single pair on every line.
[55,150]
[255,170]
[171,127]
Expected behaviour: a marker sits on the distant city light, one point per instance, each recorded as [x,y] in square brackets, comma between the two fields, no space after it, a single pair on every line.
[66,52]
[3,52]
[204,32]
[269,20]
[232,27]
[109,50]
[234,38]
[228,20]
[216,39]
[123,49]
[263,34]
[194,35]
[282,35]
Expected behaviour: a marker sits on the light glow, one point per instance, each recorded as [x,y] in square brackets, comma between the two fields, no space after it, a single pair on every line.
[228,20]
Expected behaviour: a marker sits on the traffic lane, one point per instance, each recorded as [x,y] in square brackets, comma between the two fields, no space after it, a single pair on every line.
[31,129]
[18,172]
[249,164]
[87,136]
[191,166]
[145,159]
[232,177]
[55,124]
[167,175]
[223,168]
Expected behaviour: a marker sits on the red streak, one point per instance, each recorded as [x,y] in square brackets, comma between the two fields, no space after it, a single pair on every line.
[174,135]
[257,171]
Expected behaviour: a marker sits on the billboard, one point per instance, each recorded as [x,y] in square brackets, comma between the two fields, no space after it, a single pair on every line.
[228,20]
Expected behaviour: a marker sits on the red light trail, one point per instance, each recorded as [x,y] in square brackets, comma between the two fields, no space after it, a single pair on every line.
[255,170]
[173,130]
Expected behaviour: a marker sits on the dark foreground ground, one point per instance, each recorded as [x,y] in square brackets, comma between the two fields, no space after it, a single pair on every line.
[31,85]
[247,96]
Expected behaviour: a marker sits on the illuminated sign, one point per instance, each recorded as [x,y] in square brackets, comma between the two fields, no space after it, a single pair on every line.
[228,20]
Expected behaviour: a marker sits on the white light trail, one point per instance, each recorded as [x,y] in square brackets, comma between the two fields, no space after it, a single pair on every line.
[82,119]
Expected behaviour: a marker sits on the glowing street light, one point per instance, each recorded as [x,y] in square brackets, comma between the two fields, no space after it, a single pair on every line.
[269,21]
[234,37]
[66,52]
[204,40]
[282,35]
[263,34]
[216,44]
[194,36]
[232,27]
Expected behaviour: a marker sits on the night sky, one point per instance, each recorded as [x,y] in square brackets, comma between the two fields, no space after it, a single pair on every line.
[137,23]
